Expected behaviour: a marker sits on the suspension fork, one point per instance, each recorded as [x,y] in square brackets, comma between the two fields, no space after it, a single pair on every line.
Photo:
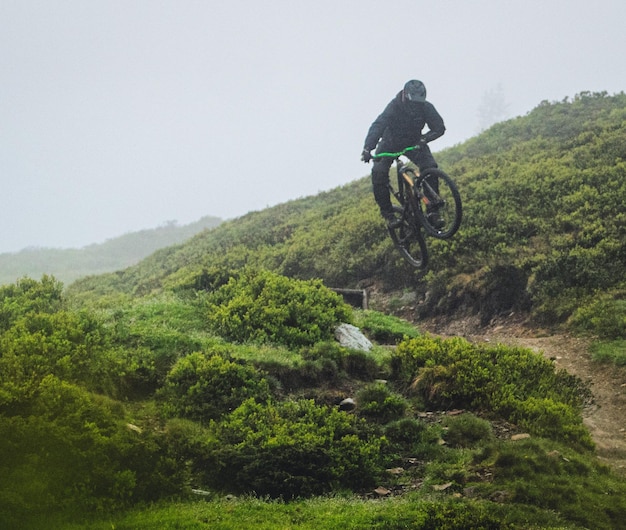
[404,181]
[399,193]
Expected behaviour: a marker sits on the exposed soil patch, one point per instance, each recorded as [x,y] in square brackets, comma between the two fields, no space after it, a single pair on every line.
[605,417]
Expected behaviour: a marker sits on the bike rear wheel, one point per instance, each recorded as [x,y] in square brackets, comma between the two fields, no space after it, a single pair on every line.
[409,240]
[440,210]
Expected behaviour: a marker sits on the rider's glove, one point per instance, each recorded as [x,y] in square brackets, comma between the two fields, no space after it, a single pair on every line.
[366,156]
[421,143]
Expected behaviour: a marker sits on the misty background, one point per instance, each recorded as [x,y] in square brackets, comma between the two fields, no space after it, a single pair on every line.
[122,115]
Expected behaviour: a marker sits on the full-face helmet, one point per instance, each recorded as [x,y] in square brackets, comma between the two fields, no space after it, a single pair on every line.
[414,91]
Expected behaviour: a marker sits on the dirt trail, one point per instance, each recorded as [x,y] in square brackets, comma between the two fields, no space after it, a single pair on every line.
[606,416]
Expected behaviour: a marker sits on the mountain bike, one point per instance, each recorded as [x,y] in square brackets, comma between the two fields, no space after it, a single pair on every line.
[428,200]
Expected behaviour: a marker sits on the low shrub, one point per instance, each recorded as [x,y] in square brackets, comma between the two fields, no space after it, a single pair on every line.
[467,431]
[354,363]
[68,450]
[550,419]
[290,449]
[263,306]
[410,436]
[376,402]
[68,344]
[203,386]
[305,374]
[27,297]
[604,317]
[361,365]
[515,383]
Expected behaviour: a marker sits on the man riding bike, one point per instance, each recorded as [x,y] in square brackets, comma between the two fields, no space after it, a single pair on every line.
[399,126]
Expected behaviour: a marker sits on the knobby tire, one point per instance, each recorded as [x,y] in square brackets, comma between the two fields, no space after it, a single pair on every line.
[450,210]
[408,239]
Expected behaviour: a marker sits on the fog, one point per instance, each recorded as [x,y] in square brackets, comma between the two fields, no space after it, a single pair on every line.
[121,115]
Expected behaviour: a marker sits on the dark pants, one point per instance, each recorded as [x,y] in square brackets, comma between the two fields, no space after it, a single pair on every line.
[422,158]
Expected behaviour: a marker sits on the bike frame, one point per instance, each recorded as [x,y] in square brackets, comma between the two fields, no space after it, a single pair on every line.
[404,178]
[407,192]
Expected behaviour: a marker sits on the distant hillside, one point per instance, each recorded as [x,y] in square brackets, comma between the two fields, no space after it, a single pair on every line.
[544,227]
[114,254]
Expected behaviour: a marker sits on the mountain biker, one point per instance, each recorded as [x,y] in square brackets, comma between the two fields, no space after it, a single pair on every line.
[398,127]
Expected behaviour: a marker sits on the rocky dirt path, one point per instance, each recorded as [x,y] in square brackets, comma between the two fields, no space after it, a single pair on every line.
[606,416]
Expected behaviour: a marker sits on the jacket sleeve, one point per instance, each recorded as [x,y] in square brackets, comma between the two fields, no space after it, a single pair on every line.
[436,128]
[378,127]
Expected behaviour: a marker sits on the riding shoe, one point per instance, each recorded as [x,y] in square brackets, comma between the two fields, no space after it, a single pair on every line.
[436,221]
[392,220]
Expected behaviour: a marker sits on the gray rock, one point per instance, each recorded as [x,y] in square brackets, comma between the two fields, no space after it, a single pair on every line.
[350,336]
[347,404]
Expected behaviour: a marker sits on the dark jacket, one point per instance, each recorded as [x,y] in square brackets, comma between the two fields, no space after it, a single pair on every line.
[400,124]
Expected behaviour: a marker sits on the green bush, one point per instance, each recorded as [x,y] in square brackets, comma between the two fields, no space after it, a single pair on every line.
[203,387]
[302,373]
[266,307]
[290,449]
[187,442]
[516,383]
[27,297]
[604,316]
[355,363]
[376,402]
[67,450]
[361,365]
[410,436]
[550,419]
[467,430]
[71,345]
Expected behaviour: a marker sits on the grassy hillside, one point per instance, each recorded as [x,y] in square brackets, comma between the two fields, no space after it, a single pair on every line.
[234,391]
[114,254]
[544,227]
[203,387]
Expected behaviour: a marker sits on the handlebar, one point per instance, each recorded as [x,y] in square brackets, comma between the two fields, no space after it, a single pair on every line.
[399,153]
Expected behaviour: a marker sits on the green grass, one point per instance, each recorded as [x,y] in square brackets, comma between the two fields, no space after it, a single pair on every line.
[333,513]
[266,354]
[613,351]
[385,329]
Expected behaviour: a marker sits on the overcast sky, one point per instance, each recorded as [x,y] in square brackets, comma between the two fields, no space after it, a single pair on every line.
[121,115]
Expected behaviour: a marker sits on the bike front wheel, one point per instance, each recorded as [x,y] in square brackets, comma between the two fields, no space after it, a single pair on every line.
[440,209]
[408,239]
